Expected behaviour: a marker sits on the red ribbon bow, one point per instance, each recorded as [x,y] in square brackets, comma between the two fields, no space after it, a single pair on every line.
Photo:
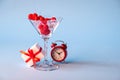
[32,55]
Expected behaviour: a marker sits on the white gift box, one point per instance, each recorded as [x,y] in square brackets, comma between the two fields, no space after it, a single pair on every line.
[32,55]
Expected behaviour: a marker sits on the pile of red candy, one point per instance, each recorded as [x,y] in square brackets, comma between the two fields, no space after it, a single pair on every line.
[43,26]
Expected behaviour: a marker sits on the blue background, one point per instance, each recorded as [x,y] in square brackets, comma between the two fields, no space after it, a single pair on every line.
[91,28]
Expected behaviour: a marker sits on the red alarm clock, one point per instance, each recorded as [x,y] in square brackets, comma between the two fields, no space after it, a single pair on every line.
[59,52]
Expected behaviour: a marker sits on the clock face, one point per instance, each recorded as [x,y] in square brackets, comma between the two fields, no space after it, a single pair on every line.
[58,54]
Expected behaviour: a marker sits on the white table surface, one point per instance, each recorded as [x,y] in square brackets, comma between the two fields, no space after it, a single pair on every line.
[71,71]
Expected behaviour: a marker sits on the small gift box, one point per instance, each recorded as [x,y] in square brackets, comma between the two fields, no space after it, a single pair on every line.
[32,55]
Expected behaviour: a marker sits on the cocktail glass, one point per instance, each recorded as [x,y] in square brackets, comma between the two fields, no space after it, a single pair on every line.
[45,29]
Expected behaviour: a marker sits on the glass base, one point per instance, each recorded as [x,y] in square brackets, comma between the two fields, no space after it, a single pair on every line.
[47,66]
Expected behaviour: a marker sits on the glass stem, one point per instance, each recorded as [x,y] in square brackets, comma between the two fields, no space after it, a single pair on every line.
[45,50]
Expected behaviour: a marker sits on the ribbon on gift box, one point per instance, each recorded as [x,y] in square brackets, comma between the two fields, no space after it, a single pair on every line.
[32,55]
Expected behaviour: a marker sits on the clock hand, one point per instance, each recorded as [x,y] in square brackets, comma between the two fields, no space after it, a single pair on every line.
[57,52]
